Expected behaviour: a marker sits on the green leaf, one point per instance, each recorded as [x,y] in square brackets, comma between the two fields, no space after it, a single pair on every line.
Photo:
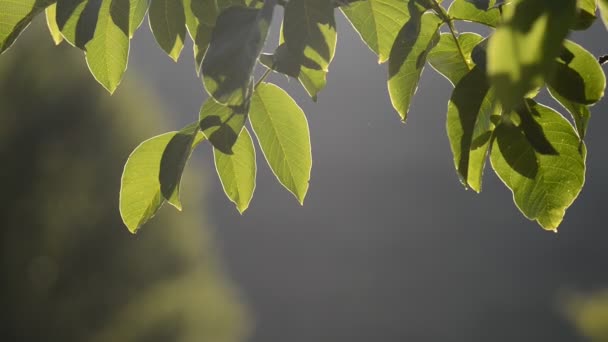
[307,44]
[603,6]
[200,20]
[173,161]
[168,24]
[579,112]
[51,23]
[107,53]
[137,13]
[446,59]
[140,190]
[408,56]
[469,126]
[237,171]
[282,131]
[378,22]
[483,12]
[522,50]
[15,16]
[577,76]
[77,20]
[236,43]
[543,186]
[222,124]
[586,14]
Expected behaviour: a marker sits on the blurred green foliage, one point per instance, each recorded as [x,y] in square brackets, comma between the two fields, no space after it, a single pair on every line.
[590,314]
[70,270]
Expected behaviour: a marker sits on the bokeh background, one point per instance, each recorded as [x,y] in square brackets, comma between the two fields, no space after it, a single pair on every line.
[387,247]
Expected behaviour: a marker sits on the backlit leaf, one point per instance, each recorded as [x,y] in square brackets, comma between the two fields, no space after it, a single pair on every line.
[222,124]
[446,59]
[282,132]
[168,24]
[603,6]
[200,21]
[140,191]
[580,112]
[586,14]
[15,16]
[237,171]
[408,56]
[543,186]
[577,76]
[233,51]
[77,20]
[483,12]
[51,23]
[107,53]
[522,50]
[378,22]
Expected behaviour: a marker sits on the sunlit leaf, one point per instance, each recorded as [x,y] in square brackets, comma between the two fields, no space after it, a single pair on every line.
[603,7]
[140,191]
[15,16]
[378,22]
[522,50]
[51,23]
[233,51]
[580,112]
[107,53]
[577,76]
[237,171]
[77,20]
[282,132]
[408,56]
[173,161]
[484,12]
[222,124]
[543,186]
[586,14]
[168,24]
[447,60]
[200,21]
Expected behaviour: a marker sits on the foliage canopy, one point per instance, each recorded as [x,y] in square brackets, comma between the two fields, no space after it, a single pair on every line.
[491,115]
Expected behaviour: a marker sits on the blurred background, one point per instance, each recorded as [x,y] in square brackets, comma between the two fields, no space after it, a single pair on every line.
[387,247]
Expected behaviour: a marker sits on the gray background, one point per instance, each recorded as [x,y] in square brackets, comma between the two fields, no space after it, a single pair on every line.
[389,246]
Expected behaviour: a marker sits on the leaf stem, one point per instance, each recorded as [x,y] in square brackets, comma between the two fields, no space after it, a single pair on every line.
[440,11]
[266,73]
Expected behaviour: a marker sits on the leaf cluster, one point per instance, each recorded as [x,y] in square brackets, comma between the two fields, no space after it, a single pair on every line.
[492,114]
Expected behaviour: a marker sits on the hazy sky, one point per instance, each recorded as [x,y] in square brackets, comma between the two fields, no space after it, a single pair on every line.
[389,246]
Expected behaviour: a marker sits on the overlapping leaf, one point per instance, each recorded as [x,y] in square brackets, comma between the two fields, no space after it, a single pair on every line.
[485,12]
[222,124]
[51,23]
[586,14]
[200,20]
[469,119]
[233,51]
[307,43]
[141,192]
[543,185]
[577,76]
[168,24]
[408,56]
[378,22]
[237,171]
[522,50]
[107,53]
[15,16]
[282,132]
[446,58]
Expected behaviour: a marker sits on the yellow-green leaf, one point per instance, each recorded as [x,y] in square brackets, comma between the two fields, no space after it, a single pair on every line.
[543,185]
[446,59]
[282,131]
[107,53]
[237,171]
[51,23]
[378,22]
[15,16]
[168,24]
[483,12]
[140,191]
[222,124]
[408,57]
